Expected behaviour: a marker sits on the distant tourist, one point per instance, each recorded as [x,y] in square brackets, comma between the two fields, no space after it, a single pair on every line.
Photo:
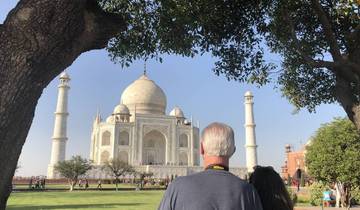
[271,189]
[86,184]
[298,178]
[80,183]
[31,183]
[328,198]
[166,182]
[42,183]
[99,185]
[37,183]
[215,187]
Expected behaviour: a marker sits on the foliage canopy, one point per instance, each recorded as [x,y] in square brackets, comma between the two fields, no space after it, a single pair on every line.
[318,40]
[117,168]
[74,168]
[333,156]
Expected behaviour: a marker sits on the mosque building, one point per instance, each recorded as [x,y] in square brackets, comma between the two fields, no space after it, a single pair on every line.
[141,133]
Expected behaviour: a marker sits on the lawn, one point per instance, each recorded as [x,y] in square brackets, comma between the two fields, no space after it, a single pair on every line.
[92,199]
[129,200]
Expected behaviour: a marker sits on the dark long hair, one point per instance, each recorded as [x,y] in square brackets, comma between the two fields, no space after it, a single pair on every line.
[271,189]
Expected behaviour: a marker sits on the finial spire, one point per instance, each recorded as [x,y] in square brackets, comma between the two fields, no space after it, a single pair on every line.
[98,115]
[145,67]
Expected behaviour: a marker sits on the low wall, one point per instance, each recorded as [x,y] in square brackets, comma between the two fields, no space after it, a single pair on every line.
[162,172]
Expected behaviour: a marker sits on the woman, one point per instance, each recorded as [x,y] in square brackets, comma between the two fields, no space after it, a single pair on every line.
[271,189]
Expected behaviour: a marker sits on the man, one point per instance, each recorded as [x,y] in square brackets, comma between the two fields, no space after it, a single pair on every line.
[215,188]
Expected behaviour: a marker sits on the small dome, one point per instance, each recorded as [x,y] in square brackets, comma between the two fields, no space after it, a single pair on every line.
[177,112]
[110,119]
[121,109]
[145,96]
[248,93]
[64,75]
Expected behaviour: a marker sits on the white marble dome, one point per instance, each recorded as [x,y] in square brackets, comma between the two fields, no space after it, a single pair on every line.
[64,75]
[248,93]
[145,95]
[110,119]
[177,112]
[121,109]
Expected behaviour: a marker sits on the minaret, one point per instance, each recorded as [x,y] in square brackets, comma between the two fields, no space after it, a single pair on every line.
[59,137]
[250,145]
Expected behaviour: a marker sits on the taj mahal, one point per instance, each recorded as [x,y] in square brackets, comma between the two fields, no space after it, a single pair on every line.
[141,133]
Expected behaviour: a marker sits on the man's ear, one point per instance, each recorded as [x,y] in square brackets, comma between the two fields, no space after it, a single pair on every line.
[202,152]
[232,152]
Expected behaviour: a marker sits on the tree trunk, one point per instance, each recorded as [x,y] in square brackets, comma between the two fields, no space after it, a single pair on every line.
[344,92]
[72,184]
[338,186]
[38,40]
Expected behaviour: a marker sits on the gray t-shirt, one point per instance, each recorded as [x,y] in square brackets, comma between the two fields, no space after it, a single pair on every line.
[210,190]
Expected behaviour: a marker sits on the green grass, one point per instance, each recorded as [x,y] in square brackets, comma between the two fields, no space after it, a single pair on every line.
[129,200]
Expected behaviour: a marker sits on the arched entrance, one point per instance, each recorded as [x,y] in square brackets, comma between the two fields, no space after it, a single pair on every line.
[154,148]
[183,159]
[123,156]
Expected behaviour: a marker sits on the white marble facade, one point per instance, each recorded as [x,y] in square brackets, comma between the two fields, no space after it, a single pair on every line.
[141,133]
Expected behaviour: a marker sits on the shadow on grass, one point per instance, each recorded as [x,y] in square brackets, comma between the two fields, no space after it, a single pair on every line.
[73,206]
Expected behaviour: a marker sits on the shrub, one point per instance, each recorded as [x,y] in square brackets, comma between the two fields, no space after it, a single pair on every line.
[293,196]
[355,194]
[316,193]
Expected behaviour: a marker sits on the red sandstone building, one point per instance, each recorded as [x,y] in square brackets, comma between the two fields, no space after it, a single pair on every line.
[294,160]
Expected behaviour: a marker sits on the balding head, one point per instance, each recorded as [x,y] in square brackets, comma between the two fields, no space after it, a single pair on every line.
[218,140]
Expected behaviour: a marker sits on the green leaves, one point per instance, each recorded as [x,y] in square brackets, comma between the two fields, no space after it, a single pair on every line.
[333,154]
[237,34]
[116,168]
[73,168]
[307,87]
[226,29]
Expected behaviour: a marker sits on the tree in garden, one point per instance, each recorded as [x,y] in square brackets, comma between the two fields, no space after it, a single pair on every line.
[73,169]
[41,38]
[317,39]
[333,156]
[117,168]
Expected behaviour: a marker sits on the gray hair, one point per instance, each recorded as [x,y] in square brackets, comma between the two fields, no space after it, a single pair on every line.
[218,140]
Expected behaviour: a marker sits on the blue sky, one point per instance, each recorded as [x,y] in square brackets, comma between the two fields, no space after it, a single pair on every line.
[96,82]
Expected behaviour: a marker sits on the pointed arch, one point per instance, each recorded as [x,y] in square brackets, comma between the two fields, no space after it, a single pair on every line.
[105,155]
[124,156]
[105,138]
[183,159]
[183,140]
[154,148]
[124,138]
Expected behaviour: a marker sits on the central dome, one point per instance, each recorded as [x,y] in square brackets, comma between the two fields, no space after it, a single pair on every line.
[145,95]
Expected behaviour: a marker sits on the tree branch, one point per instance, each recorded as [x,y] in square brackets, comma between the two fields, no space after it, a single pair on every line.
[345,69]
[356,32]
[298,48]
[38,40]
[330,37]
